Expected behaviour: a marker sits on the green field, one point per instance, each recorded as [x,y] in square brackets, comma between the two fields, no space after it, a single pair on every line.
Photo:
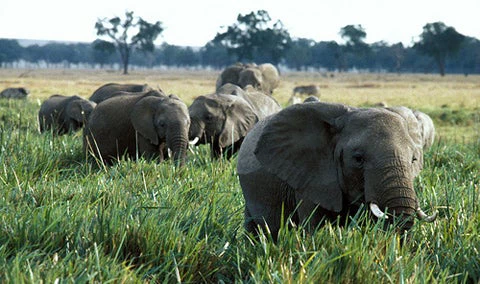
[66,218]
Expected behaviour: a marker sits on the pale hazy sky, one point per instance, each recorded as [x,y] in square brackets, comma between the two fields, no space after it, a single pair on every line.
[195,22]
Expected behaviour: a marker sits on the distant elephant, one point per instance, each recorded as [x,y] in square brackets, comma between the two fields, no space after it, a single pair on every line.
[425,124]
[145,125]
[14,93]
[427,128]
[224,118]
[113,89]
[63,114]
[263,77]
[317,161]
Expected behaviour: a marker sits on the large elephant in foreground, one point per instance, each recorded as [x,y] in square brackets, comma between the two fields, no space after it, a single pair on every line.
[113,89]
[63,114]
[317,161]
[138,125]
[263,77]
[224,118]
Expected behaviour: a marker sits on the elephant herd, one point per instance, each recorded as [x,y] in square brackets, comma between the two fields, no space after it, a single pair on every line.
[312,161]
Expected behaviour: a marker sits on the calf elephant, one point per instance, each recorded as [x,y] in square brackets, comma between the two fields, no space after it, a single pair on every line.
[317,161]
[63,114]
[138,125]
[263,77]
[14,93]
[224,118]
[113,89]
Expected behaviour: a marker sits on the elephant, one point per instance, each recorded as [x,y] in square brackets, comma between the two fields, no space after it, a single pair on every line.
[306,90]
[222,119]
[322,161]
[64,114]
[113,89]
[263,77]
[312,90]
[148,125]
[14,93]
[427,128]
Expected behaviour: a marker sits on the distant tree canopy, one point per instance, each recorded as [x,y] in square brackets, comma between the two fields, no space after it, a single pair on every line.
[254,36]
[9,50]
[439,41]
[270,43]
[118,31]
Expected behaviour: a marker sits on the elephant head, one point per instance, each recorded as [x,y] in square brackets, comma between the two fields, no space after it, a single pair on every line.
[77,112]
[326,159]
[164,123]
[263,77]
[221,120]
[251,76]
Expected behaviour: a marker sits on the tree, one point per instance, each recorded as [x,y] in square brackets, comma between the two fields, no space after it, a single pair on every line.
[439,41]
[102,50]
[300,53]
[10,50]
[355,45]
[254,37]
[120,32]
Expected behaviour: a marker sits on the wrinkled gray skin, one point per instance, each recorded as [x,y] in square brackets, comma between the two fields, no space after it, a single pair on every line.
[14,93]
[427,128]
[64,114]
[138,125]
[263,77]
[224,118]
[113,89]
[329,159]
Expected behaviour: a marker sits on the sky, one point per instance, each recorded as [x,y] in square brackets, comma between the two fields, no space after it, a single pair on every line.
[195,22]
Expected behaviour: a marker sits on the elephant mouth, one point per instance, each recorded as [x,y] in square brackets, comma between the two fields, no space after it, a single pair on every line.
[421,215]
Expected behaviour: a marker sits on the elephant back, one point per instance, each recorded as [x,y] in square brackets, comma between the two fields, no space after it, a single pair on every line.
[262,104]
[113,89]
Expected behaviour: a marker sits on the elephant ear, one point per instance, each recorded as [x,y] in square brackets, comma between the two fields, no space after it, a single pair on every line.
[142,118]
[297,145]
[240,118]
[415,133]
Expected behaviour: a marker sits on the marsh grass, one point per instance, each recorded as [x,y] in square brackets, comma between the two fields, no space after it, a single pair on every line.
[66,217]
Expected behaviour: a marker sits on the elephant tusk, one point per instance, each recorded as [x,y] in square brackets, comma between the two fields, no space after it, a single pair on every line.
[194,141]
[424,217]
[377,211]
[169,153]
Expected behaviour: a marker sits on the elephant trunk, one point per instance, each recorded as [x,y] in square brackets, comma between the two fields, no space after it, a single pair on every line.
[390,189]
[196,131]
[177,142]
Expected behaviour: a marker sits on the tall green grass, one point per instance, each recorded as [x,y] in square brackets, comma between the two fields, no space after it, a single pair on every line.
[64,217]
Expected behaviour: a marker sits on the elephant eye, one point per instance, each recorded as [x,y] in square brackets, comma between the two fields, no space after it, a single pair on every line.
[208,117]
[358,158]
[414,159]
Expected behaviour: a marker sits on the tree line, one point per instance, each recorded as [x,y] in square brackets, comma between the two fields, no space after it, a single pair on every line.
[255,37]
